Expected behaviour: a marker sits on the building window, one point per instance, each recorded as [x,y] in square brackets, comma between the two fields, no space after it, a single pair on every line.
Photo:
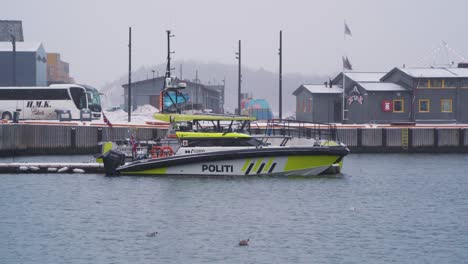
[436,83]
[446,105]
[424,106]
[399,106]
[464,83]
[450,83]
[423,83]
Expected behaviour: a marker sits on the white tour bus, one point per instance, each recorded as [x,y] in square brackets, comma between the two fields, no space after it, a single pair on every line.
[44,102]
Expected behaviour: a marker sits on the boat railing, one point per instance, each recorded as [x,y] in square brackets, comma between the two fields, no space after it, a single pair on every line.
[296,129]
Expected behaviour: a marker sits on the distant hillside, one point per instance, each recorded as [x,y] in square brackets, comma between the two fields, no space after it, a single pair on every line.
[260,83]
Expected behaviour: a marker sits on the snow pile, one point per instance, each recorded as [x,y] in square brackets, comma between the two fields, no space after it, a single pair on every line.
[139,116]
[145,109]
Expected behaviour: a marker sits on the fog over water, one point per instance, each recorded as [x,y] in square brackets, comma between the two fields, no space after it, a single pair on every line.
[93,35]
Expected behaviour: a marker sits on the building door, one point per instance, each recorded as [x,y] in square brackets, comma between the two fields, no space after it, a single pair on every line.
[337,111]
[154,100]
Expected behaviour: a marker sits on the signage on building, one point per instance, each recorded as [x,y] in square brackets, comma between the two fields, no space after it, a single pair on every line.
[387,106]
[355,96]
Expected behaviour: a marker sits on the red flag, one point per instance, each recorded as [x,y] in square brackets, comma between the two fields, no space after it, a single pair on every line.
[134,145]
[106,120]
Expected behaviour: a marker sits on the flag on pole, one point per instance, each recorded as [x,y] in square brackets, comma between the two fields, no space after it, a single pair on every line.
[134,146]
[347,31]
[104,117]
[346,64]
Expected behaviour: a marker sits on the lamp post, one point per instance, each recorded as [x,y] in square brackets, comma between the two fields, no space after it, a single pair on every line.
[13,42]
[280,53]
[238,57]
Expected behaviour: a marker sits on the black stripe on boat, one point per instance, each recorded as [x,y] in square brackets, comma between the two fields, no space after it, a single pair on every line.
[272,167]
[249,168]
[261,168]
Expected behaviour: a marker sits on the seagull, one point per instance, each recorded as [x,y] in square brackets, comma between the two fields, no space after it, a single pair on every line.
[152,234]
[244,242]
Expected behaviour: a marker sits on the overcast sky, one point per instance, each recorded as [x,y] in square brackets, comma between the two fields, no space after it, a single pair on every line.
[93,35]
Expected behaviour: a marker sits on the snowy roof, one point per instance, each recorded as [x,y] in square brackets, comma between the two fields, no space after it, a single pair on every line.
[459,72]
[381,86]
[365,76]
[20,46]
[361,76]
[320,88]
[435,72]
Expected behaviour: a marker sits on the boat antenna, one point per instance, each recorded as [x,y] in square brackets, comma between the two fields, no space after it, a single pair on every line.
[168,71]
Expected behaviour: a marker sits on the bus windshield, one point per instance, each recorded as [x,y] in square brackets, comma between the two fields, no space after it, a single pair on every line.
[94,101]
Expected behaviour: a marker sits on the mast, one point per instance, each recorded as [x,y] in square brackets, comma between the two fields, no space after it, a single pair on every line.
[168,71]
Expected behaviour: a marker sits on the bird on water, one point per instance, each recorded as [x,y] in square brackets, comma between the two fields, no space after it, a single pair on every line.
[152,234]
[244,242]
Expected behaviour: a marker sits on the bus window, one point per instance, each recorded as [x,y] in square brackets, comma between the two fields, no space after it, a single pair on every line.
[79,97]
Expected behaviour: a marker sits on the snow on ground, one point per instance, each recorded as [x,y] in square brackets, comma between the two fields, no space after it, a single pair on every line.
[139,116]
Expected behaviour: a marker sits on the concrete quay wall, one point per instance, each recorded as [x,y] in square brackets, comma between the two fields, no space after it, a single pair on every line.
[390,139]
[29,139]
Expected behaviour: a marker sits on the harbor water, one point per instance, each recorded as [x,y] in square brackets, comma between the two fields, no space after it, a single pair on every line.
[401,208]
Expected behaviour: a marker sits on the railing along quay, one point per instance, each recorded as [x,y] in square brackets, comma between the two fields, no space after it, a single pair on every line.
[382,139]
[32,139]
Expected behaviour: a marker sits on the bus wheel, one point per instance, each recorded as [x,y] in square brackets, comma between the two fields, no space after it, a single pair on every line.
[6,115]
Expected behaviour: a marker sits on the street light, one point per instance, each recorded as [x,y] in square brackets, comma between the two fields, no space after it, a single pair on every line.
[13,42]
[238,57]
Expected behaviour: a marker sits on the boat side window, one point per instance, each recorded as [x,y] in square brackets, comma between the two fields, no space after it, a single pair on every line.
[222,142]
[79,97]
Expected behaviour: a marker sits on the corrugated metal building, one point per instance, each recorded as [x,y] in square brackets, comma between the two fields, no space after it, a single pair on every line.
[31,64]
[200,96]
[318,103]
[422,95]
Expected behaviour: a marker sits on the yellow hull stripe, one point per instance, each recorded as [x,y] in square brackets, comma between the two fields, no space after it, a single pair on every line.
[245,165]
[157,171]
[307,162]
[257,164]
[268,165]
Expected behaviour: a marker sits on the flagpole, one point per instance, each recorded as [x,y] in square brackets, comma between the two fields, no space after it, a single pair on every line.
[343,95]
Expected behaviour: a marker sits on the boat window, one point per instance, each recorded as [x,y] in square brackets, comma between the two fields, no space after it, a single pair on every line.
[223,142]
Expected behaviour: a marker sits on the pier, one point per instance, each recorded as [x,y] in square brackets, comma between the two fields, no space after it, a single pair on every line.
[51,167]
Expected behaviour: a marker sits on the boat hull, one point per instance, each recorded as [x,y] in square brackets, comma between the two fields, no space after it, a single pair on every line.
[290,161]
